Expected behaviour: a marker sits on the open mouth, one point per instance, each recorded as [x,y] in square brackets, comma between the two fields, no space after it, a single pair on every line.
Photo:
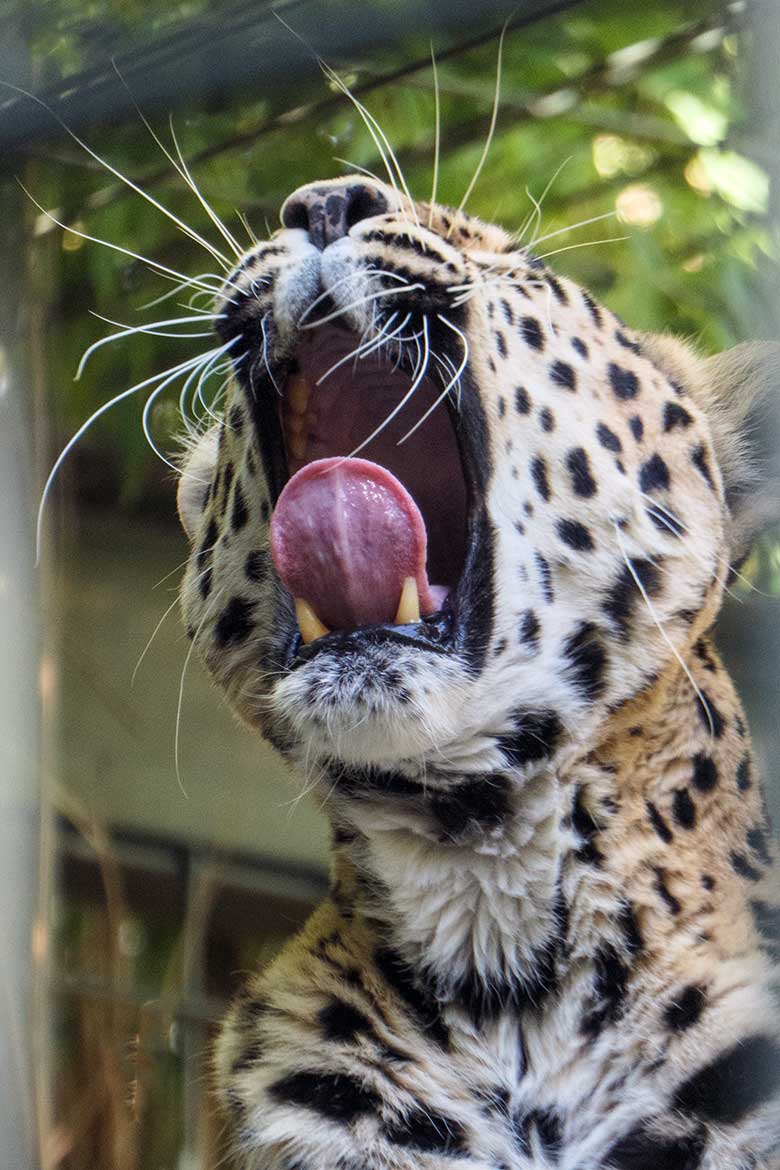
[370,529]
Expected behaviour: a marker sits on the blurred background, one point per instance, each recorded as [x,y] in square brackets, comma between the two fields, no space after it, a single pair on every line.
[157,888]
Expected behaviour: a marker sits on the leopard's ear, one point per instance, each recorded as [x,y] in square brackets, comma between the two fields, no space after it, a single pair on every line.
[739,392]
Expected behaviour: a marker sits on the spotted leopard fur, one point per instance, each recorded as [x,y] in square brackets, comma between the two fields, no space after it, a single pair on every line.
[550,930]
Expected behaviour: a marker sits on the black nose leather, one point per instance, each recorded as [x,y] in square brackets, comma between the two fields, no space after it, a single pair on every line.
[327,213]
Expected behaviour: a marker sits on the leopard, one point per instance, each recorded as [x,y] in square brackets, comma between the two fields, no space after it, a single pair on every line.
[458,544]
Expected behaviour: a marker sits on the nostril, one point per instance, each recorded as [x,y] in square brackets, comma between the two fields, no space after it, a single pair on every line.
[296,215]
[363,203]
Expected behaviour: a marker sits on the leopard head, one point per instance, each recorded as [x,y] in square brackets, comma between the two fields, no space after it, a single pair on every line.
[454,505]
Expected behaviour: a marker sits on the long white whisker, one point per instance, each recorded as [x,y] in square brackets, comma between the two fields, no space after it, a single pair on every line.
[151,328]
[419,375]
[114,247]
[342,279]
[455,378]
[370,122]
[155,631]
[638,581]
[357,167]
[85,427]
[180,166]
[210,212]
[188,283]
[180,702]
[383,292]
[358,352]
[123,178]
[491,128]
[265,356]
[436,135]
[155,395]
[586,244]
[573,227]
[538,202]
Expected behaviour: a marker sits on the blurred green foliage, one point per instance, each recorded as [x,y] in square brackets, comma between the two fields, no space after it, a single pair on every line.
[635,110]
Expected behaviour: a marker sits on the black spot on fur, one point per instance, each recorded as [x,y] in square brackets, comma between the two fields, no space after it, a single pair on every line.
[532,333]
[587,829]
[757,842]
[256,565]
[398,975]
[594,309]
[479,803]
[708,881]
[664,521]
[240,513]
[741,866]
[236,418]
[586,660]
[548,1127]
[340,1021]
[234,623]
[676,416]
[699,460]
[683,809]
[658,823]
[522,401]
[654,474]
[579,346]
[547,419]
[265,511]
[685,1009]
[637,427]
[336,1096]
[608,438]
[539,474]
[660,884]
[368,780]
[735,1083]
[557,288]
[579,468]
[535,737]
[576,535]
[610,984]
[624,596]
[626,342]
[529,630]
[625,383]
[506,309]
[429,1132]
[630,928]
[705,772]
[642,1149]
[545,577]
[767,920]
[744,780]
[501,343]
[709,713]
[563,375]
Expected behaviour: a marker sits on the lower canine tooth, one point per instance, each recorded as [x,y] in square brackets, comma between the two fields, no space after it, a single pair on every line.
[309,624]
[409,605]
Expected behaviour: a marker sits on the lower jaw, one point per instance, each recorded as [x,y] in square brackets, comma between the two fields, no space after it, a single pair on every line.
[432,634]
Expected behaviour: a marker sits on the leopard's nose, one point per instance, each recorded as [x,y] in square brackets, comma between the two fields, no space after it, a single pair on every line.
[328,212]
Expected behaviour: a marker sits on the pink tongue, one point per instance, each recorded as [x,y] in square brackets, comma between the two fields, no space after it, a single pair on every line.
[344,535]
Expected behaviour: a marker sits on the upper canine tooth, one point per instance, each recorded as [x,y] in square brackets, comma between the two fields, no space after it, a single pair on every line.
[309,624]
[298,394]
[409,606]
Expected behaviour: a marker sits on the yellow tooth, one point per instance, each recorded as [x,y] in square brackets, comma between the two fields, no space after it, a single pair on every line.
[309,624]
[409,605]
[298,394]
